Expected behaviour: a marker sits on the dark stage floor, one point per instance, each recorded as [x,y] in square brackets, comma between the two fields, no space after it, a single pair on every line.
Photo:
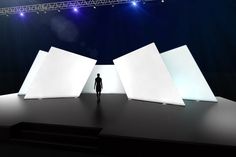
[197,122]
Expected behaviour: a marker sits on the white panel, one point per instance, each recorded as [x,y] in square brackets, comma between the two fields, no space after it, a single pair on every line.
[110,79]
[186,74]
[32,72]
[145,77]
[63,74]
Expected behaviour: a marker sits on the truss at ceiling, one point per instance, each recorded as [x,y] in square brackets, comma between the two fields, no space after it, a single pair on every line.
[44,7]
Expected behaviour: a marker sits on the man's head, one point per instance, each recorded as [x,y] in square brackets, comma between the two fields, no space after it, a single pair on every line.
[98,74]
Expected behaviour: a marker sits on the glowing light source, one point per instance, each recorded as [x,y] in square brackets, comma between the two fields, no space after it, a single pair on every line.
[75,9]
[134,3]
[69,4]
[22,14]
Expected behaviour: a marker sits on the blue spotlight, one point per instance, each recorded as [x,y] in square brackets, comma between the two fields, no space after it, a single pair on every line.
[75,9]
[134,3]
[22,14]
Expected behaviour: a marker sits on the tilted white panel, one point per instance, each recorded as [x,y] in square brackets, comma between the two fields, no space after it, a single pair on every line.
[145,77]
[32,72]
[186,74]
[62,74]
[110,80]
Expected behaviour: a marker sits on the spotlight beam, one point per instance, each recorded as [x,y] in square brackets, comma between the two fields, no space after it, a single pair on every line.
[62,5]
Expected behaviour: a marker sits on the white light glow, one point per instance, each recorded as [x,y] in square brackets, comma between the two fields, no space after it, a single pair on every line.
[75,9]
[63,74]
[22,14]
[110,79]
[145,77]
[134,3]
[186,74]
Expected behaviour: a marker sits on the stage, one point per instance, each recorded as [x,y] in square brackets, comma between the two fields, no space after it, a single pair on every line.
[116,116]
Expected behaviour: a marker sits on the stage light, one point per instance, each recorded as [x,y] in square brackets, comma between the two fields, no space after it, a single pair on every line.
[75,9]
[22,14]
[69,4]
[134,3]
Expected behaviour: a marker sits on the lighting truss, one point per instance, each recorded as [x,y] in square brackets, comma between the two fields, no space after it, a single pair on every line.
[62,5]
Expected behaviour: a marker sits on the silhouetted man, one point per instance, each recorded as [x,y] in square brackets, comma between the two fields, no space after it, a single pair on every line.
[98,85]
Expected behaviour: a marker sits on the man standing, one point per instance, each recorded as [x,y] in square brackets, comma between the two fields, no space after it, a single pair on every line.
[98,85]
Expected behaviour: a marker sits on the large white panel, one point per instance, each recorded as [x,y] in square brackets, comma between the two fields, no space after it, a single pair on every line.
[110,79]
[32,72]
[145,77]
[186,74]
[62,74]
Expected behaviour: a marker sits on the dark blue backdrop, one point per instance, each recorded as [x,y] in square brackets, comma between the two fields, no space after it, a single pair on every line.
[105,33]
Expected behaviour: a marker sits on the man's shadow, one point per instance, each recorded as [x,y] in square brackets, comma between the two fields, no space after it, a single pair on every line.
[98,100]
[98,112]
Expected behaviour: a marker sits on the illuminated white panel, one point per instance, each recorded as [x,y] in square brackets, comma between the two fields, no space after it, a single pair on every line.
[110,79]
[32,72]
[186,74]
[62,74]
[145,77]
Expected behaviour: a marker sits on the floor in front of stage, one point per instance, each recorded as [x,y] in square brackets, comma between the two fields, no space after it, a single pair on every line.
[197,122]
